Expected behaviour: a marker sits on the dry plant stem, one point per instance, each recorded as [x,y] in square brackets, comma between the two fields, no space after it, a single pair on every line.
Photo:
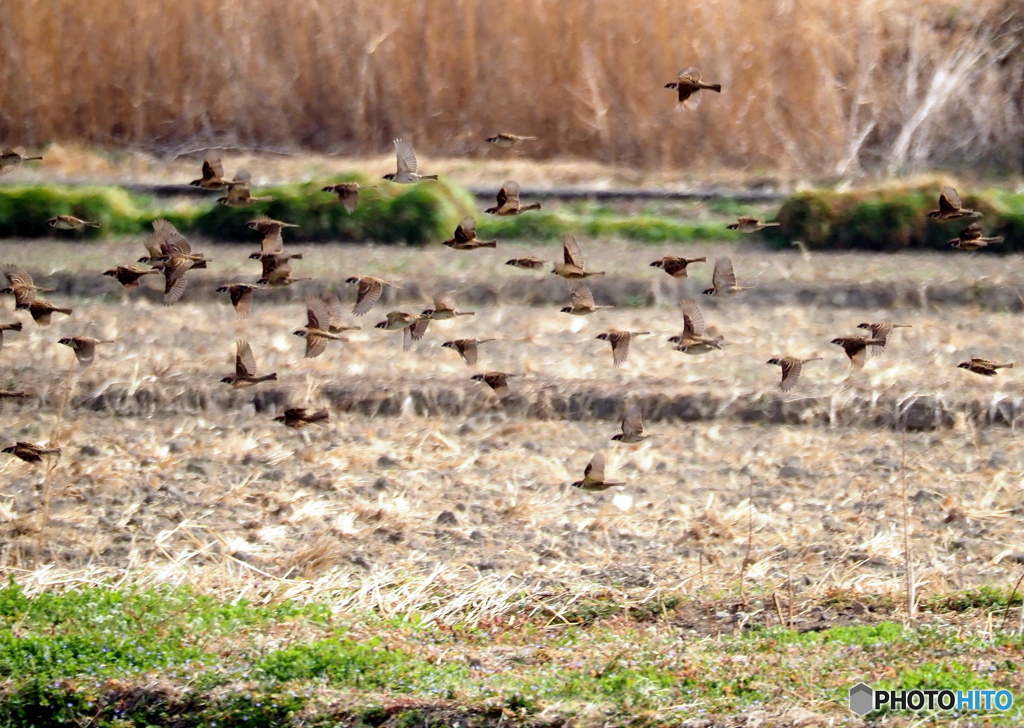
[908,556]
[48,479]
[750,543]
[1009,602]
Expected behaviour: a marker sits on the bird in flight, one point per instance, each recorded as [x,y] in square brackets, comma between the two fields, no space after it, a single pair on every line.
[408,167]
[791,367]
[950,207]
[593,476]
[508,140]
[984,367]
[465,237]
[688,87]
[245,368]
[508,201]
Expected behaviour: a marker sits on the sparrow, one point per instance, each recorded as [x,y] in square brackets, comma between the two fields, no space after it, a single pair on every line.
[129,275]
[15,326]
[41,310]
[175,260]
[751,225]
[791,367]
[688,85]
[985,367]
[407,165]
[508,140]
[348,194]
[20,285]
[572,268]
[318,331]
[30,452]
[593,476]
[620,343]
[444,307]
[11,158]
[723,279]
[467,348]
[526,263]
[674,266]
[67,222]
[693,340]
[213,175]
[271,243]
[508,201]
[970,238]
[465,237]
[856,348]
[368,292]
[582,301]
[277,269]
[164,242]
[498,381]
[6,395]
[881,332]
[245,367]
[84,348]
[241,297]
[240,191]
[632,426]
[404,322]
[298,417]
[950,207]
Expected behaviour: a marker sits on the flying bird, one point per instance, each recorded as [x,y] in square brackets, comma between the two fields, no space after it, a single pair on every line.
[675,266]
[240,191]
[30,452]
[465,237]
[67,222]
[528,262]
[593,476]
[508,201]
[508,140]
[368,292]
[751,225]
[723,279]
[241,295]
[632,426]
[498,381]
[695,339]
[42,310]
[467,348]
[277,270]
[688,86]
[20,285]
[11,158]
[582,301]
[348,194]
[572,268]
[444,307]
[791,367]
[271,242]
[323,315]
[164,242]
[213,175]
[404,322]
[950,207]
[880,331]
[298,417]
[84,348]
[984,367]
[620,343]
[408,167]
[245,368]
[970,238]
[129,275]
[856,348]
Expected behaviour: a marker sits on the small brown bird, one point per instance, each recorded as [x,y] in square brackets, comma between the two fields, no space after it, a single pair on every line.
[84,348]
[880,331]
[444,307]
[632,426]
[688,85]
[408,167]
[15,326]
[526,263]
[970,238]
[856,348]
[41,310]
[620,343]
[6,395]
[723,279]
[498,381]
[241,295]
[20,285]
[751,225]
[320,311]
[465,237]
[368,292]
[693,340]
[240,191]
[271,243]
[508,140]
[572,268]
[245,368]
[985,367]
[164,242]
[404,322]
[277,270]
[67,222]
[508,201]
[30,452]
[467,348]
[129,275]
[299,417]
[348,194]
[950,207]
[674,266]
[582,301]
[213,175]
[791,367]
[11,158]
[593,476]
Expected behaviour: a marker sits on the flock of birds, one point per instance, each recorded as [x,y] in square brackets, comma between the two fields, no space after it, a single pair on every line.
[170,255]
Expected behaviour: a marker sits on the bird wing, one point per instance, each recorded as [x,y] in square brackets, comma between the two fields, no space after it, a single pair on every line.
[466,231]
[85,349]
[17,276]
[241,299]
[790,373]
[418,330]
[689,75]
[445,301]
[581,296]
[348,193]
[723,277]
[693,319]
[212,168]
[369,293]
[406,157]
[498,382]
[571,251]
[272,241]
[509,192]
[632,421]
[245,362]
[468,349]
[167,237]
[971,232]
[949,200]
[858,354]
[620,347]
[174,287]
[595,469]
[317,315]
[333,304]
[315,346]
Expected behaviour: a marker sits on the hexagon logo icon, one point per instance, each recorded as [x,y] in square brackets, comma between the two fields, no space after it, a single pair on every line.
[862,699]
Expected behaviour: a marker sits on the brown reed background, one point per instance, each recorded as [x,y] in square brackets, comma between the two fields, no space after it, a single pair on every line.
[810,86]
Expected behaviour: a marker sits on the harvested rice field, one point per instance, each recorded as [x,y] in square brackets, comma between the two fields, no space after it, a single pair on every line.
[432,504]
